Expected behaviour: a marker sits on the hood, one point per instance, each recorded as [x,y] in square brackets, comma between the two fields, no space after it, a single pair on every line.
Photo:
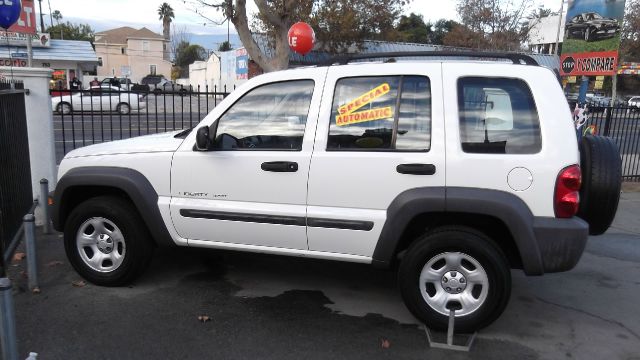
[164,142]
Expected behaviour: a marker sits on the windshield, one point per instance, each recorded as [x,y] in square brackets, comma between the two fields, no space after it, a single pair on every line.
[593,16]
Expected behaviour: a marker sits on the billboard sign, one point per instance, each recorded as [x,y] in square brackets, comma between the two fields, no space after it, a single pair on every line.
[591,37]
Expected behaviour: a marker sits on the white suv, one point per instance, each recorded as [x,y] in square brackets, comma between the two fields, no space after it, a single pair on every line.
[452,172]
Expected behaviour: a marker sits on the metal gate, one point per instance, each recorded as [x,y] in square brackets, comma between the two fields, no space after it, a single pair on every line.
[622,124]
[15,168]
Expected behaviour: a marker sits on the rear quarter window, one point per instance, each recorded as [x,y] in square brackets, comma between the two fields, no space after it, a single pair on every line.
[497,116]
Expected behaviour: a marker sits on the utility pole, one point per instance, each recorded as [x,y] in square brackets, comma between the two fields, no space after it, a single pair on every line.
[50,13]
[41,17]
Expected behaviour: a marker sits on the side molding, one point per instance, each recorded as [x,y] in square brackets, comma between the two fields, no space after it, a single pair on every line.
[131,182]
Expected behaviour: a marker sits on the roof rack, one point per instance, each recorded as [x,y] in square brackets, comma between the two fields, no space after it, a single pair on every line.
[514,57]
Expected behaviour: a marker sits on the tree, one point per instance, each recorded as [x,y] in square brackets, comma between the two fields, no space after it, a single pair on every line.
[225,46]
[165,11]
[630,44]
[440,29]
[413,29]
[57,15]
[179,34]
[491,24]
[70,31]
[187,54]
[338,24]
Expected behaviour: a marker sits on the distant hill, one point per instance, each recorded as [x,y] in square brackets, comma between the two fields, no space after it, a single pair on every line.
[211,42]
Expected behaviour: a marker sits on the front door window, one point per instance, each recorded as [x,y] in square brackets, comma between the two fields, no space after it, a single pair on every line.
[270,117]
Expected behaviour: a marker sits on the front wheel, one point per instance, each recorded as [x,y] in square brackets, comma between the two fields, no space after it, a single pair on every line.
[107,242]
[587,34]
[455,268]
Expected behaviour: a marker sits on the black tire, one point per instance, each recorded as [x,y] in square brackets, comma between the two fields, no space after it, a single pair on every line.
[123,109]
[601,182]
[470,242]
[60,108]
[138,243]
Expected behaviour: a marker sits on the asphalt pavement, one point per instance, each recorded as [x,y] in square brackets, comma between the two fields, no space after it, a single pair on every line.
[272,307]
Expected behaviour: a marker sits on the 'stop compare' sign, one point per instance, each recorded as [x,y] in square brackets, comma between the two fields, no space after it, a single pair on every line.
[592,37]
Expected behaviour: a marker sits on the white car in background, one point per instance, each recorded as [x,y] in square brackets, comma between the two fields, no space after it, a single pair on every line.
[634,102]
[103,98]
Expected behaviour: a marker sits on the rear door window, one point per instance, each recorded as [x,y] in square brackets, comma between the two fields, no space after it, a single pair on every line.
[497,116]
[382,113]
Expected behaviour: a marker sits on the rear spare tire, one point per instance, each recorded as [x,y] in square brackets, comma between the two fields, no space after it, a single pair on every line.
[601,182]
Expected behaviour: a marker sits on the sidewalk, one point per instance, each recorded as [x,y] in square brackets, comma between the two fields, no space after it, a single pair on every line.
[286,308]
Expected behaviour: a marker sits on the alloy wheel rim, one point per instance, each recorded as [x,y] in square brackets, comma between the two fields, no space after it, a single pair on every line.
[454,280]
[100,244]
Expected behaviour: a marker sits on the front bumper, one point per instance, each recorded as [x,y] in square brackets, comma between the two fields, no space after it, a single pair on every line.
[560,242]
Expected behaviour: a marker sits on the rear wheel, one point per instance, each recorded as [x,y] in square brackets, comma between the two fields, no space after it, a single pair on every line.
[64,108]
[107,242]
[587,34]
[601,182]
[455,268]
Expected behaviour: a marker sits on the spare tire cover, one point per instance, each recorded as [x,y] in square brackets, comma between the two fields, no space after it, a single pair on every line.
[601,182]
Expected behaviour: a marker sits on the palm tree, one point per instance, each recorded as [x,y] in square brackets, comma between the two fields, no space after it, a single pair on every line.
[57,15]
[166,15]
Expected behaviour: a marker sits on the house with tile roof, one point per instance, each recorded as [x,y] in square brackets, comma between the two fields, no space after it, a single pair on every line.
[133,53]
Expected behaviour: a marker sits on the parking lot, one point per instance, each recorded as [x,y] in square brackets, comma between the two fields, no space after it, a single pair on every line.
[262,306]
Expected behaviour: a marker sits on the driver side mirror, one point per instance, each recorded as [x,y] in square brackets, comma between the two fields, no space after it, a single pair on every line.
[205,137]
[203,140]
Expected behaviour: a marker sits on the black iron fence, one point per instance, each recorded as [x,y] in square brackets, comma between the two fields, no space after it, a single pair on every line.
[622,124]
[102,114]
[15,168]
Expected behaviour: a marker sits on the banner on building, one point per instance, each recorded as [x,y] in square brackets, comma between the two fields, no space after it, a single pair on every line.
[242,64]
[18,39]
[592,37]
[629,68]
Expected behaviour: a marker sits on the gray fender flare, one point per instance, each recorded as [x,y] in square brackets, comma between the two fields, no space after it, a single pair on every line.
[131,182]
[510,209]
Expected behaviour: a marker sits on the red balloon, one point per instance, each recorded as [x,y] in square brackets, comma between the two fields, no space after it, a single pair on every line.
[301,38]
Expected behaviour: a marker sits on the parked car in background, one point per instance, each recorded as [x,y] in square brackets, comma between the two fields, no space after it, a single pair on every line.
[105,98]
[172,87]
[158,84]
[153,80]
[634,102]
[591,26]
[124,83]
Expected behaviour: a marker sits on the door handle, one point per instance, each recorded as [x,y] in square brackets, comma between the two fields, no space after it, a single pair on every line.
[416,169]
[280,166]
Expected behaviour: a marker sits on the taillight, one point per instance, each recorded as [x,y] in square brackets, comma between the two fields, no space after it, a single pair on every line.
[567,197]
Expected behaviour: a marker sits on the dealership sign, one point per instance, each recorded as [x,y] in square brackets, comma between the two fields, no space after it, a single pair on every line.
[591,37]
[26,23]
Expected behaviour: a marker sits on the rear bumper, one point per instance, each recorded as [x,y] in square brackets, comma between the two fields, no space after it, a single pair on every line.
[560,242]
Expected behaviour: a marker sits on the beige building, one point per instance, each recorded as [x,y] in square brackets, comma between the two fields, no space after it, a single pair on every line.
[133,53]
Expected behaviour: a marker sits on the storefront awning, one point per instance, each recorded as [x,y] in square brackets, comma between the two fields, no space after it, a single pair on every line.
[60,50]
